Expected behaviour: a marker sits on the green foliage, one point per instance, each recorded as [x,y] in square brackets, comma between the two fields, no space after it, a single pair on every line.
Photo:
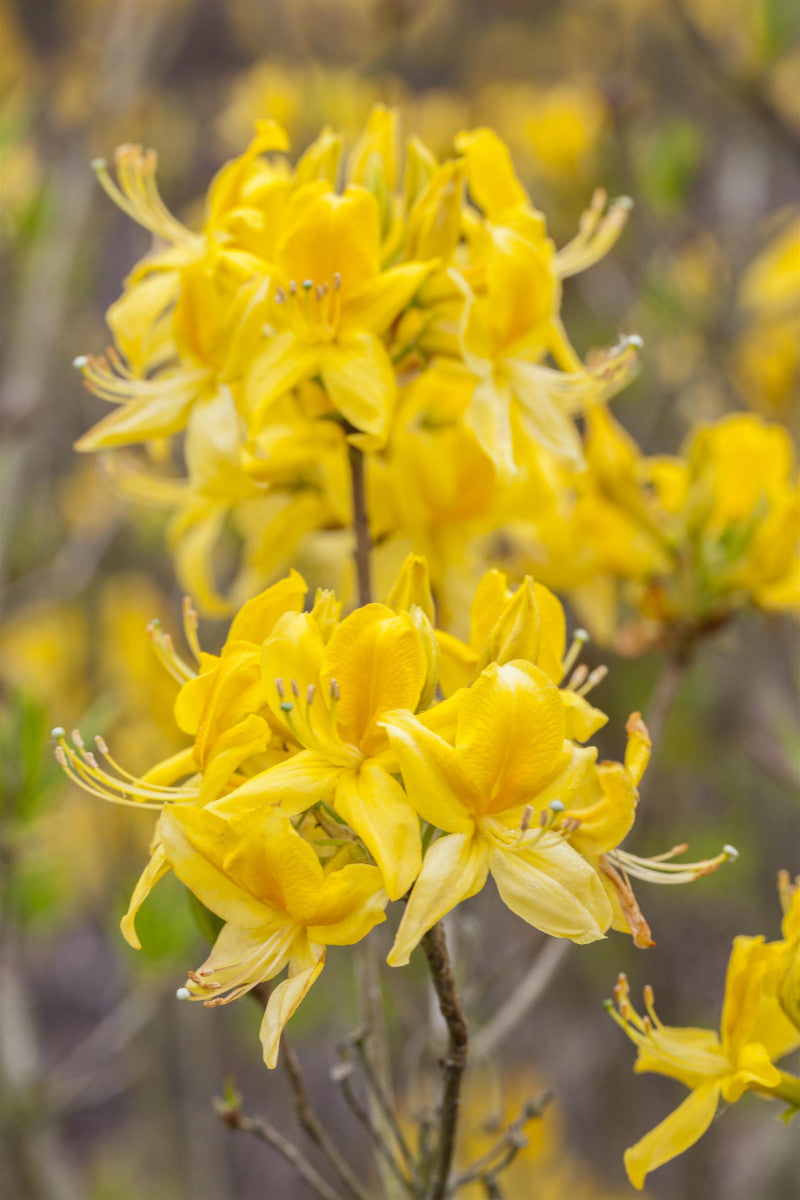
[668,167]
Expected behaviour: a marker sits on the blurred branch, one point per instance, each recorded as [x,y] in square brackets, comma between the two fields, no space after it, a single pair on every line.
[522,999]
[76,1076]
[306,1116]
[230,1113]
[665,692]
[506,1148]
[749,92]
[309,1121]
[434,943]
[342,1075]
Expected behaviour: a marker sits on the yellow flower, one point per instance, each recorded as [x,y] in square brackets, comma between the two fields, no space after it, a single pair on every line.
[330,302]
[754,1033]
[329,695]
[527,623]
[281,907]
[510,755]
[511,317]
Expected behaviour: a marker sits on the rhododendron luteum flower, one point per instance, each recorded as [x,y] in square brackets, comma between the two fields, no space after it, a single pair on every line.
[685,541]
[298,303]
[756,1031]
[280,904]
[325,733]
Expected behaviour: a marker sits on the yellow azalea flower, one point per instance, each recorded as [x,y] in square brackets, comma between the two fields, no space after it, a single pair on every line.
[510,756]
[329,695]
[280,906]
[754,1034]
[527,623]
[175,322]
[329,304]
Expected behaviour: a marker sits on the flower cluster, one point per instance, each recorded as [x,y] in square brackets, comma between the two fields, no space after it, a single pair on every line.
[760,1025]
[411,311]
[338,763]
[681,542]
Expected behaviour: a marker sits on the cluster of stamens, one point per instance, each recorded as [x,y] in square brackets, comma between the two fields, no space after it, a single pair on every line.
[660,868]
[638,1028]
[582,680]
[297,713]
[116,784]
[310,303]
[137,194]
[598,230]
[109,377]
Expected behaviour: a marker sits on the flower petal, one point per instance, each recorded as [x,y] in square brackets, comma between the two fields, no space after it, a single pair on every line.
[455,867]
[156,869]
[285,998]
[553,888]
[374,804]
[436,785]
[676,1133]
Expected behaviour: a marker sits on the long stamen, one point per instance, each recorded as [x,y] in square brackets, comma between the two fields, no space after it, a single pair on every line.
[190,624]
[166,654]
[659,870]
[595,677]
[84,770]
[579,639]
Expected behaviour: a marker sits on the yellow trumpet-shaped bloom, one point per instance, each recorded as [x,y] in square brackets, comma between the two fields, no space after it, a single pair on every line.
[525,623]
[754,1034]
[280,906]
[329,696]
[510,757]
[329,304]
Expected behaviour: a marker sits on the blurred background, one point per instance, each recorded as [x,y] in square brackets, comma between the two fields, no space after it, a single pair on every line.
[692,108]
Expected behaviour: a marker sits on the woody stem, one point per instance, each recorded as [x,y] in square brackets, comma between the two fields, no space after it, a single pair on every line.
[363,544]
[369,978]
[434,943]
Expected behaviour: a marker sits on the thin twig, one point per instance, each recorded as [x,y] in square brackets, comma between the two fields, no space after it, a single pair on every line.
[374,1084]
[363,544]
[522,998]
[263,1129]
[434,943]
[311,1124]
[307,1118]
[507,1146]
[342,1075]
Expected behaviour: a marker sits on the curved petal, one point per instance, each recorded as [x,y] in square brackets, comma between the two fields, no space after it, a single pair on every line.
[553,888]
[257,618]
[296,784]
[379,662]
[353,900]
[156,869]
[360,380]
[303,970]
[376,807]
[436,785]
[510,734]
[455,867]
[676,1133]
[282,364]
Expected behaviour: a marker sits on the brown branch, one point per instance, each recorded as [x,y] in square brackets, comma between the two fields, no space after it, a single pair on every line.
[363,543]
[342,1075]
[434,943]
[263,1129]
[508,1145]
[309,1121]
[306,1117]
